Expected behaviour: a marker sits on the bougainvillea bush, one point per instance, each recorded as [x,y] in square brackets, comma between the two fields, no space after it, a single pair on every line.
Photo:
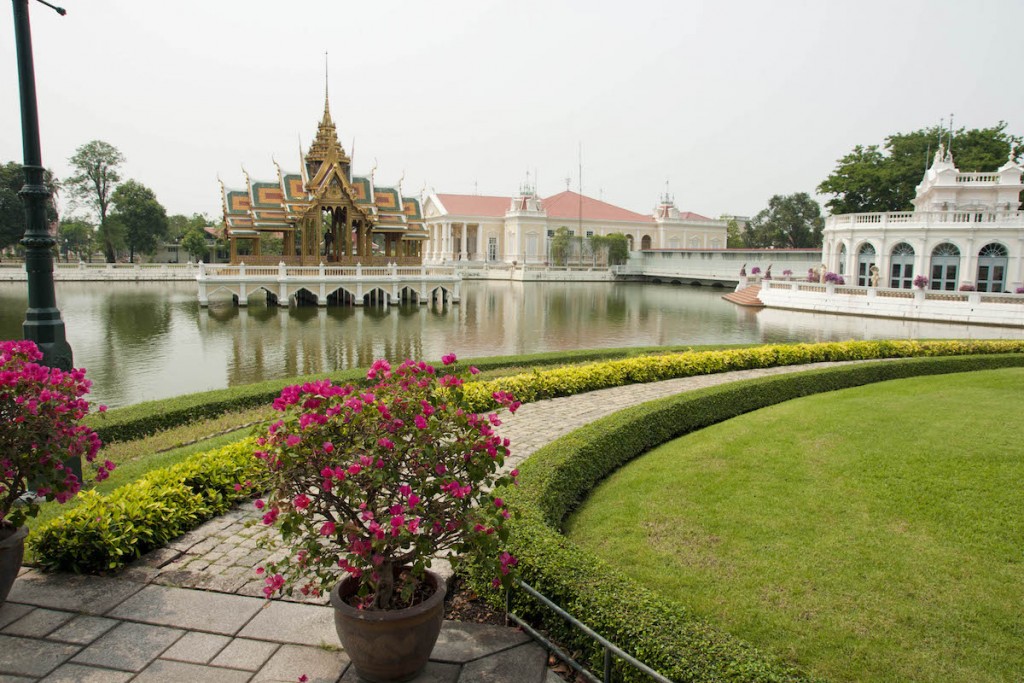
[920,282]
[376,481]
[40,411]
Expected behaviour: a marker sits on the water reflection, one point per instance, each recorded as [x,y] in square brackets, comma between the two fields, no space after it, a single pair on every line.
[151,340]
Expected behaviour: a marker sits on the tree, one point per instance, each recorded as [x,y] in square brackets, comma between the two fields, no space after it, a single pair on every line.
[97,172]
[144,218]
[12,211]
[616,244]
[179,224]
[76,234]
[560,246]
[194,242]
[869,179]
[790,221]
[734,239]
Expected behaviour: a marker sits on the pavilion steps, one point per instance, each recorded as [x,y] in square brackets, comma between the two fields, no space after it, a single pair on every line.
[746,297]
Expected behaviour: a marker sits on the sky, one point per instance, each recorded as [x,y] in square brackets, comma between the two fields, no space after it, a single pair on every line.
[723,103]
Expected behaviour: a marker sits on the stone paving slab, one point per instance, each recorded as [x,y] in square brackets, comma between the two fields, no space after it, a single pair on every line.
[85,594]
[83,629]
[38,623]
[164,671]
[78,673]
[242,653]
[196,610]
[129,647]
[461,642]
[291,661]
[528,662]
[11,612]
[32,656]
[435,672]
[197,648]
[293,623]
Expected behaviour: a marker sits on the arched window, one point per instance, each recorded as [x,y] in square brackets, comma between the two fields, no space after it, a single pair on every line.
[992,260]
[695,243]
[629,239]
[901,266]
[945,267]
[716,243]
[865,259]
[645,242]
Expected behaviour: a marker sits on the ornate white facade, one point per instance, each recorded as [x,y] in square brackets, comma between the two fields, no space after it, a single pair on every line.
[517,229]
[966,231]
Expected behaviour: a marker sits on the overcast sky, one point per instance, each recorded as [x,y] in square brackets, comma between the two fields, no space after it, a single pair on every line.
[730,102]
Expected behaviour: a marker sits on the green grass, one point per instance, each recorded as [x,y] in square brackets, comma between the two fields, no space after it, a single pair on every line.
[870,534]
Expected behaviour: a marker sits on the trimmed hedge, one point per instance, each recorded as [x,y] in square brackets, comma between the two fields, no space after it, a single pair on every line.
[566,381]
[660,632]
[105,533]
[142,419]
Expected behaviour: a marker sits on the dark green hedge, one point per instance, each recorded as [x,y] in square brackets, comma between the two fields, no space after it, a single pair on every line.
[554,481]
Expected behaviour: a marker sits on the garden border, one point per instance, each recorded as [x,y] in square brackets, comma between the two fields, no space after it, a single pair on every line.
[660,632]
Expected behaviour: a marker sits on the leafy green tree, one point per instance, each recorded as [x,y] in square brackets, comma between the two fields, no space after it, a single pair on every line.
[872,179]
[179,224]
[194,242]
[12,211]
[144,218]
[791,221]
[560,246]
[616,245]
[97,172]
[734,238]
[76,235]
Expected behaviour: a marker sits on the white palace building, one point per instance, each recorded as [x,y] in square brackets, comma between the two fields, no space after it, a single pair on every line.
[966,231]
[490,229]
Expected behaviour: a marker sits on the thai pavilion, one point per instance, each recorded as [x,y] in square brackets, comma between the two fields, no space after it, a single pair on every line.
[323,213]
[966,232]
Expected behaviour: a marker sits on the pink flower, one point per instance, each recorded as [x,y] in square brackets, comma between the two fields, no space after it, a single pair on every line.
[328,447]
[448,359]
[473,370]
[258,503]
[421,422]
[293,440]
[301,501]
[327,529]
[102,409]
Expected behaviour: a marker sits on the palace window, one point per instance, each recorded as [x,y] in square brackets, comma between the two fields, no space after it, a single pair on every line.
[945,267]
[992,262]
[901,266]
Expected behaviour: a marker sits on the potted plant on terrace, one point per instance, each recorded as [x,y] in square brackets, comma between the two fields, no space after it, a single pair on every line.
[366,486]
[40,410]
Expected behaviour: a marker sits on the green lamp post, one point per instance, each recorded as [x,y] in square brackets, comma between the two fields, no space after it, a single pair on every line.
[43,323]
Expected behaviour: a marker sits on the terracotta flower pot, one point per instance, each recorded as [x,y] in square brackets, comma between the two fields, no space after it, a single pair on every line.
[388,645]
[12,549]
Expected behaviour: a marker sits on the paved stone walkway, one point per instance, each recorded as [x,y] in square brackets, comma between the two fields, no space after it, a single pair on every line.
[194,610]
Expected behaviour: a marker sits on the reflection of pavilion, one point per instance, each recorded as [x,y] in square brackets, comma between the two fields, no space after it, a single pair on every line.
[323,214]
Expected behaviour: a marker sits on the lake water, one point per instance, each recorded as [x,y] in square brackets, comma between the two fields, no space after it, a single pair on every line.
[151,340]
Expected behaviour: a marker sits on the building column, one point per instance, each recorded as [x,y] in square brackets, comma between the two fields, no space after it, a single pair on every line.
[968,264]
[921,259]
[446,241]
[462,243]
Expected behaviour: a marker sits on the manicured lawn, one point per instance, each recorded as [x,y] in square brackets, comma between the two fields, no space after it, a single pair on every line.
[871,534]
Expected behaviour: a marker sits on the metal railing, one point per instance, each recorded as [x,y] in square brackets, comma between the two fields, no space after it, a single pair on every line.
[610,649]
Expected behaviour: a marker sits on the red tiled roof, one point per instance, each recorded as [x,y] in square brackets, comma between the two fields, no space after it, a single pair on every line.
[567,205]
[474,204]
[691,216]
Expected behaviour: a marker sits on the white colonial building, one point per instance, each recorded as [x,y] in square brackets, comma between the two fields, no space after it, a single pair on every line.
[518,229]
[966,231]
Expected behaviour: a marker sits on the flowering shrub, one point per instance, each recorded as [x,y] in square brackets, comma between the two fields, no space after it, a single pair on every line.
[920,282]
[376,481]
[1019,290]
[755,271]
[967,287]
[40,408]
[787,273]
[835,278]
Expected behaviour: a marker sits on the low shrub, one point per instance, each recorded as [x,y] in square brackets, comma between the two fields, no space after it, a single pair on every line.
[105,533]
[660,632]
[566,381]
